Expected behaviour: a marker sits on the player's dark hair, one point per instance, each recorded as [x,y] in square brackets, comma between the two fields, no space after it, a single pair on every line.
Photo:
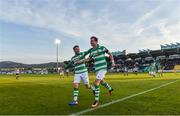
[75,47]
[95,38]
[66,62]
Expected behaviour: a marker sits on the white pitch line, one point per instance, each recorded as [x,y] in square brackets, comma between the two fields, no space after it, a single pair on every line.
[122,99]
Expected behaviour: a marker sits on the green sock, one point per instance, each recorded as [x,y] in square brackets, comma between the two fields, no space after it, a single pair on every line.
[97,91]
[106,85]
[75,94]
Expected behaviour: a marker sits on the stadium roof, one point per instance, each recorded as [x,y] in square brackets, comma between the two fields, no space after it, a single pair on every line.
[170,46]
[150,53]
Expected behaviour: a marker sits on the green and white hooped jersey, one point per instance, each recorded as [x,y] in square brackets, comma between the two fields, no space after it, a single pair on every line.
[152,68]
[79,68]
[98,54]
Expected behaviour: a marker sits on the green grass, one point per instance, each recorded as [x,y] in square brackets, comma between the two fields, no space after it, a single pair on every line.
[49,94]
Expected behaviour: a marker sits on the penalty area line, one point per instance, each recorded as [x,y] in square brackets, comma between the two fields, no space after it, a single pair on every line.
[124,98]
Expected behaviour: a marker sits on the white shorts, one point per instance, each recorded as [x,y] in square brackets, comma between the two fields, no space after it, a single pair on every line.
[160,71]
[152,73]
[82,76]
[101,74]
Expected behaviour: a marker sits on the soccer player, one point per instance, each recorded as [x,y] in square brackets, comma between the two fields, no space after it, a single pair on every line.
[17,73]
[125,71]
[67,72]
[97,53]
[135,70]
[80,73]
[159,68]
[61,71]
[152,69]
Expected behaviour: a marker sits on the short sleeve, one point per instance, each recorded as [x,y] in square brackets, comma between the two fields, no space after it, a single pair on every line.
[89,52]
[71,61]
[105,49]
[68,64]
[86,52]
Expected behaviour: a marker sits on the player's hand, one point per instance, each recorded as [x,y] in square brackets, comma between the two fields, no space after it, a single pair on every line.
[78,62]
[113,64]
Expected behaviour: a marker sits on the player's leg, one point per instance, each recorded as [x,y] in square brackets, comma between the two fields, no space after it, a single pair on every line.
[161,73]
[17,76]
[99,77]
[101,74]
[136,72]
[76,91]
[107,86]
[75,95]
[67,74]
[154,73]
[77,80]
[158,73]
[85,79]
[151,73]
[96,93]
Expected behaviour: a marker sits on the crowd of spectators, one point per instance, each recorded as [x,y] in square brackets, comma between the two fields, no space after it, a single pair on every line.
[142,64]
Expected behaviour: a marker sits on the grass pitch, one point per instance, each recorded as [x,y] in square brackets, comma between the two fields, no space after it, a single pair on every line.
[49,94]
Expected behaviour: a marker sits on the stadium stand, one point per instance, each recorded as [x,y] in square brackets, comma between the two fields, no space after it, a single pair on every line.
[168,55]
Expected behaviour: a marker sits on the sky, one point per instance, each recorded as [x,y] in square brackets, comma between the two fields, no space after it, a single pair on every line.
[28,28]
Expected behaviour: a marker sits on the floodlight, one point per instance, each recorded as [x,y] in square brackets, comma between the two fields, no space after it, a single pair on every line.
[57,41]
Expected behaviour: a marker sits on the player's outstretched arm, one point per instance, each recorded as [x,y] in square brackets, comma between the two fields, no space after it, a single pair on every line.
[67,64]
[83,61]
[111,56]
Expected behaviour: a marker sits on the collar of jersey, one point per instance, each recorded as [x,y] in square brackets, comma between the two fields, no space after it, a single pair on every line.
[96,47]
[77,54]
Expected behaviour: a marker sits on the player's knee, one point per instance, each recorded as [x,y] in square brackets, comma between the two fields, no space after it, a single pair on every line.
[76,85]
[97,82]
